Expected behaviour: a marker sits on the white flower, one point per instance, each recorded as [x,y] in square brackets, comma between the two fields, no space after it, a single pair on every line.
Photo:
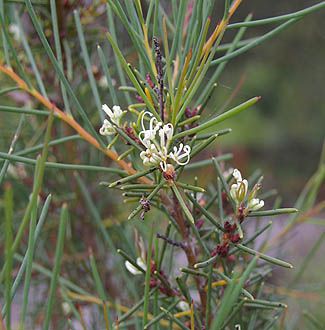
[133,270]
[237,175]
[163,157]
[102,82]
[107,128]
[18,171]
[14,30]
[157,151]
[148,135]
[150,157]
[66,308]
[180,153]
[115,116]
[255,204]
[183,306]
[166,134]
[141,263]
[238,190]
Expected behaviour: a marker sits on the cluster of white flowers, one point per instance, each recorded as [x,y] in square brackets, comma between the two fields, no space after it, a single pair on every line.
[239,191]
[115,116]
[157,151]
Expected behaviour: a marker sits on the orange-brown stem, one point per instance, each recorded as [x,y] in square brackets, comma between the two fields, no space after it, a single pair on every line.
[70,121]
[220,28]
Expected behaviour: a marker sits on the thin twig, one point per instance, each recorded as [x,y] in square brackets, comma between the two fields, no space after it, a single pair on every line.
[71,122]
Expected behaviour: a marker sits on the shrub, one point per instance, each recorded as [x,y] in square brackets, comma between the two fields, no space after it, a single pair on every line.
[152,130]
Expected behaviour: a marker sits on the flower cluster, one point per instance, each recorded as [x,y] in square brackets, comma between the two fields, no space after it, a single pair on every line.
[239,193]
[115,115]
[157,152]
[245,202]
[156,139]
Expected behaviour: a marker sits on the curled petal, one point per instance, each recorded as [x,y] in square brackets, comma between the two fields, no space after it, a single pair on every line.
[169,130]
[143,154]
[154,123]
[107,128]
[115,115]
[166,134]
[142,119]
[147,135]
[187,149]
[237,175]
[233,191]
[107,110]
[117,109]
[133,270]
[141,263]
[255,204]
[180,153]
[163,166]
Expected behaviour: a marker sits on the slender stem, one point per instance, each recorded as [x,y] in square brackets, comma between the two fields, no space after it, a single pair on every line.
[147,278]
[276,19]
[70,121]
[175,210]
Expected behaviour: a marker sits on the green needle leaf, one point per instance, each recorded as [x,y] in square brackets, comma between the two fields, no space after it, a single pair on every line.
[57,266]
[226,115]
[182,203]
[268,213]
[263,256]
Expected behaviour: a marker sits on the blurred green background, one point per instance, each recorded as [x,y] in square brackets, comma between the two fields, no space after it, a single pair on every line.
[284,133]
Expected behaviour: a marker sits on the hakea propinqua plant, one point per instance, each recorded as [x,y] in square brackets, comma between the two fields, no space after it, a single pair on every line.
[164,137]
[151,129]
